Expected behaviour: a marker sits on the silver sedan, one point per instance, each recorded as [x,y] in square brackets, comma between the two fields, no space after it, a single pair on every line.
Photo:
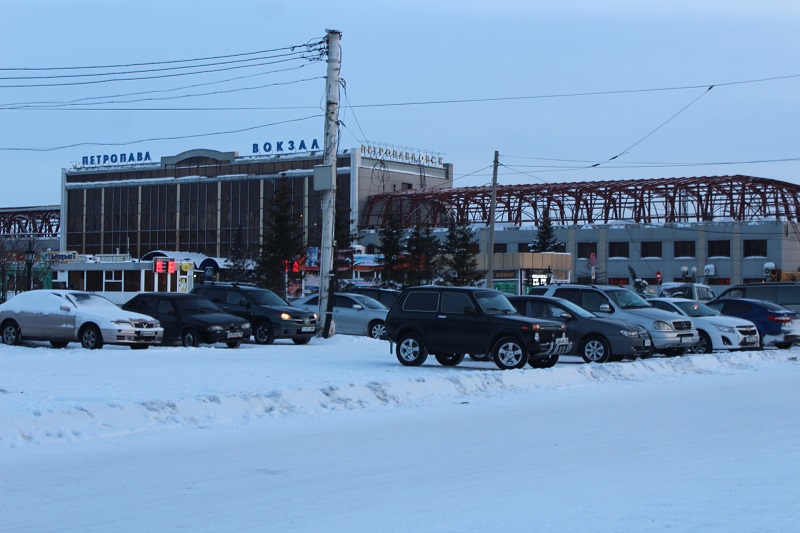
[353,314]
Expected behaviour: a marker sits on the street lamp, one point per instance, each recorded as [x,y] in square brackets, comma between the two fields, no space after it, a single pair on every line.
[30,255]
[684,273]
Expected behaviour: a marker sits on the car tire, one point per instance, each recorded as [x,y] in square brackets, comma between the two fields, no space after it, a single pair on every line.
[449,359]
[91,338]
[543,362]
[509,353]
[233,344]
[376,329]
[480,357]
[410,350]
[189,338]
[783,345]
[11,333]
[595,349]
[301,340]
[704,346]
[139,346]
[263,333]
[59,344]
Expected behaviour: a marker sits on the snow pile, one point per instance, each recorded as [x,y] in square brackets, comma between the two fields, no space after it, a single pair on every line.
[51,395]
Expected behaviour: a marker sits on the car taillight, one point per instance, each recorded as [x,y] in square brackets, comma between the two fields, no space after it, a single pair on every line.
[777,318]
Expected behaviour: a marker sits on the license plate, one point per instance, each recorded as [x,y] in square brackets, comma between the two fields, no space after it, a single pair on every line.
[647,342]
[687,340]
[562,340]
[307,328]
[234,334]
[147,333]
[751,338]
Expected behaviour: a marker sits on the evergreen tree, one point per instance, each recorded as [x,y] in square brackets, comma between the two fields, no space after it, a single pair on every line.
[390,249]
[239,261]
[424,255]
[343,238]
[283,242]
[460,248]
[546,240]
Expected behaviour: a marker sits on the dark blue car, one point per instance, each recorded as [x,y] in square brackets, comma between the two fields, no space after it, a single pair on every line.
[776,325]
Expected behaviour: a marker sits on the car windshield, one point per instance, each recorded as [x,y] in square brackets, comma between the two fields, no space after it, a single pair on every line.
[695,309]
[494,303]
[626,299]
[266,297]
[367,302]
[94,301]
[195,305]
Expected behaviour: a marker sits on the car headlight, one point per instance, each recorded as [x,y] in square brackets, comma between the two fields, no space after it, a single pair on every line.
[662,326]
[215,327]
[286,316]
[316,317]
[246,325]
[724,329]
[629,333]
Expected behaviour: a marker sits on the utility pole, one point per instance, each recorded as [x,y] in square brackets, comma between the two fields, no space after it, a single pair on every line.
[492,207]
[331,142]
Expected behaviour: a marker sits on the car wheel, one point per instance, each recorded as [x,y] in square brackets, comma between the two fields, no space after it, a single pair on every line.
[704,346]
[449,359]
[59,344]
[595,349]
[189,338]
[263,333]
[139,346]
[410,350]
[480,356]
[11,334]
[783,345]
[91,339]
[233,344]
[543,362]
[508,353]
[301,340]
[377,329]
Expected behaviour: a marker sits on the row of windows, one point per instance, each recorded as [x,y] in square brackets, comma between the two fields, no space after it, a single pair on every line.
[654,249]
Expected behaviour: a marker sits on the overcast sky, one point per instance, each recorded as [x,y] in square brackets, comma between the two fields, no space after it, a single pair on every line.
[555,87]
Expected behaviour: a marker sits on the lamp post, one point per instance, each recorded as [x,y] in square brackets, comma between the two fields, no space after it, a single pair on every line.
[684,273]
[694,274]
[30,255]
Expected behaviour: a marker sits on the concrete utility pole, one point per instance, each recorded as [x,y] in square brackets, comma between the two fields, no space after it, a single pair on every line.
[492,207]
[331,142]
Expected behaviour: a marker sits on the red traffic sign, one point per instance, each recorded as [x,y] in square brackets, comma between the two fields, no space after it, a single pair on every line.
[658,275]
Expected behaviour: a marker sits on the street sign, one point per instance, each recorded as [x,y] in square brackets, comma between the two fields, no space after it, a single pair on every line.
[658,276]
[593,259]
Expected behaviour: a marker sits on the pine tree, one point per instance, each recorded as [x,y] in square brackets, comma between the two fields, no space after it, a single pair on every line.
[546,240]
[238,264]
[390,249]
[283,242]
[461,249]
[424,255]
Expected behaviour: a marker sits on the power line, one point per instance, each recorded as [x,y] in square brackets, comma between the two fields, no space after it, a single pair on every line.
[179,137]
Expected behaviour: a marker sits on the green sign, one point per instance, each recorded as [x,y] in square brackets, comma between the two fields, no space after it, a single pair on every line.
[508,287]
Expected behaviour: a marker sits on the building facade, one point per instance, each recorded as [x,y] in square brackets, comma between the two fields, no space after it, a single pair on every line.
[197,200]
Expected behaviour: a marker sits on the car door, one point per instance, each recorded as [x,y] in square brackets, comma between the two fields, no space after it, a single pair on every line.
[457,325]
[166,313]
[55,323]
[349,320]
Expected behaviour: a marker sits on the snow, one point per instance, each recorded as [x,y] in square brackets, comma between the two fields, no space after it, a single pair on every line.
[338,436]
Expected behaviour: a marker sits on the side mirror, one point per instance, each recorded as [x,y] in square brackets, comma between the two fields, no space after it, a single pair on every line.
[65,307]
[565,316]
[357,307]
[605,308]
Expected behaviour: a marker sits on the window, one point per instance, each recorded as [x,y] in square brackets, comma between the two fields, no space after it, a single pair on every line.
[684,249]
[719,248]
[651,249]
[501,248]
[585,249]
[455,303]
[421,301]
[755,248]
[618,249]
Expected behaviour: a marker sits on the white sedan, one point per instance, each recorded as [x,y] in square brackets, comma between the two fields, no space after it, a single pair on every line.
[717,331]
[63,316]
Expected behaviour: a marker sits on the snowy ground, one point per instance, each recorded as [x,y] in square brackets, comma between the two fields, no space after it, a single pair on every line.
[338,436]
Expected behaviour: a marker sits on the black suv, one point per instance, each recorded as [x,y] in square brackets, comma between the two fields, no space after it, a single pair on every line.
[190,319]
[452,321]
[271,317]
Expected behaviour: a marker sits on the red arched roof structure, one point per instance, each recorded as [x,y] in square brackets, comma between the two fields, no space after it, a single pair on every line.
[34,222]
[697,199]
